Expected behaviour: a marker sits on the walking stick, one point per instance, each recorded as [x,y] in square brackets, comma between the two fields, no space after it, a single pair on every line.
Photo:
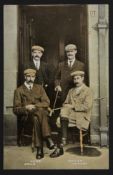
[52,110]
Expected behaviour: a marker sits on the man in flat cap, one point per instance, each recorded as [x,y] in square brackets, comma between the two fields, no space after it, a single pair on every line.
[77,107]
[42,74]
[63,80]
[30,104]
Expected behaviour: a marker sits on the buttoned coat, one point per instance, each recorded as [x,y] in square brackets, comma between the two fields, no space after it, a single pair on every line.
[63,77]
[37,117]
[45,76]
[82,102]
[42,75]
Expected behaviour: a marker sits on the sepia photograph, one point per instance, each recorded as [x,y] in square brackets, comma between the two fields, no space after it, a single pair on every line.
[56,87]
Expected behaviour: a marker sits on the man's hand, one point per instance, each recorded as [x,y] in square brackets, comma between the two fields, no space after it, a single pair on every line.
[58,88]
[30,107]
[68,106]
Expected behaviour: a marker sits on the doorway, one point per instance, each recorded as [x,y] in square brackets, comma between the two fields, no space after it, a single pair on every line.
[51,26]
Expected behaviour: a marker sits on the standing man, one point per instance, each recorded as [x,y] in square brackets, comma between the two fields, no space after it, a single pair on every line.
[42,75]
[77,106]
[31,103]
[63,80]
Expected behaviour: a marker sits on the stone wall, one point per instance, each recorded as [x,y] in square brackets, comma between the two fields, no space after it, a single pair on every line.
[10,68]
[98,68]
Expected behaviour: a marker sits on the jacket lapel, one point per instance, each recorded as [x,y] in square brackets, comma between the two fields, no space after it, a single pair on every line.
[81,91]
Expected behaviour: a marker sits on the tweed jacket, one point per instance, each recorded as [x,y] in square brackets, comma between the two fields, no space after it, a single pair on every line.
[82,104]
[23,97]
[63,77]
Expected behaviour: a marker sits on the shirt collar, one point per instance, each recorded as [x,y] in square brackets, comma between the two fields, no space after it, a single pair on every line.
[78,89]
[35,61]
[72,62]
[28,86]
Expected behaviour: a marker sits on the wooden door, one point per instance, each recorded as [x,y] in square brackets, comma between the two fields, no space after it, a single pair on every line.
[52,27]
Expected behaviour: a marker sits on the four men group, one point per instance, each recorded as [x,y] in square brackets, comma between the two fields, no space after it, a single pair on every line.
[31,101]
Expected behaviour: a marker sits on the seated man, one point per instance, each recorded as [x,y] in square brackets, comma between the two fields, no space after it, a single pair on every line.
[77,106]
[31,102]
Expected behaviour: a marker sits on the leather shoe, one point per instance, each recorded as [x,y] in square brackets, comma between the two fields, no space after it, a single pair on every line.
[57,152]
[40,153]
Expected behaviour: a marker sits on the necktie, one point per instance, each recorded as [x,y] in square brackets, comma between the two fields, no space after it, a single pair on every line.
[30,87]
[37,65]
[70,64]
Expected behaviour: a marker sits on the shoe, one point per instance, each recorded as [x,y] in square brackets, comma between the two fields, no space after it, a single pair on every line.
[57,152]
[40,153]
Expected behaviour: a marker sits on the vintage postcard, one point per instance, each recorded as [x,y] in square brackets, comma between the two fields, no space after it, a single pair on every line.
[60,121]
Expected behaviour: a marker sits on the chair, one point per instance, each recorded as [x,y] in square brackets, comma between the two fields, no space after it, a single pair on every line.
[24,132]
[81,140]
[82,134]
[21,127]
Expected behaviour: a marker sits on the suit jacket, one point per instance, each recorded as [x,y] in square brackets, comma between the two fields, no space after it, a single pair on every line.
[42,75]
[37,118]
[82,102]
[23,97]
[63,77]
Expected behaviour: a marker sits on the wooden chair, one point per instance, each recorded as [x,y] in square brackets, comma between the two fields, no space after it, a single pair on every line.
[81,134]
[81,141]
[25,132]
